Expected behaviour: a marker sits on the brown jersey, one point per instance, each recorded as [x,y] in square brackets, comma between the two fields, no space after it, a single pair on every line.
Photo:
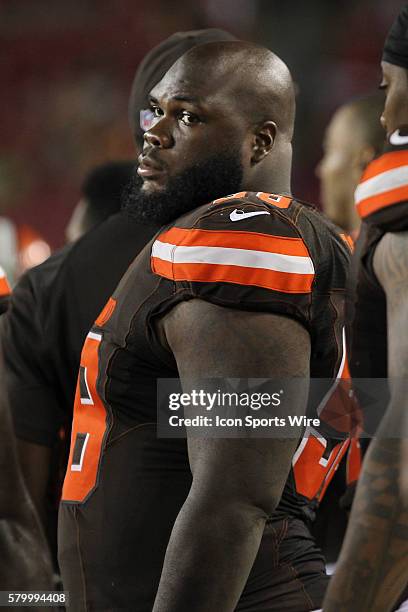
[125,486]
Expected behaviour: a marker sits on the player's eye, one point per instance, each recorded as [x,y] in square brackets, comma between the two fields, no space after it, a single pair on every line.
[156,110]
[188,118]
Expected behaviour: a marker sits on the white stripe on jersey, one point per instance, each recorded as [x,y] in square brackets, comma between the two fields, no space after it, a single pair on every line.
[278,262]
[94,336]
[386,181]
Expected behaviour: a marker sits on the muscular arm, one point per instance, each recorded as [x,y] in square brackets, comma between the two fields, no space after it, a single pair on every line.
[237,483]
[373,568]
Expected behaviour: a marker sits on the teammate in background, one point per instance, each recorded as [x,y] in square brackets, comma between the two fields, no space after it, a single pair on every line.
[101,197]
[32,346]
[25,564]
[373,568]
[218,280]
[353,138]
[54,305]
[102,190]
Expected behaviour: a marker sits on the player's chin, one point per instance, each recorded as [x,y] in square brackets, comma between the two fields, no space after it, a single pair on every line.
[154,185]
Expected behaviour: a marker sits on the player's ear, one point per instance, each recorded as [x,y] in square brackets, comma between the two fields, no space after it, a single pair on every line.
[264,138]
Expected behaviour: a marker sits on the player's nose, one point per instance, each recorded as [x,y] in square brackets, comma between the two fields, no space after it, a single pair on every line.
[157,136]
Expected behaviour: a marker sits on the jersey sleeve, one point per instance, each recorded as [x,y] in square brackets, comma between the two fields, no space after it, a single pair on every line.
[28,387]
[382,196]
[243,254]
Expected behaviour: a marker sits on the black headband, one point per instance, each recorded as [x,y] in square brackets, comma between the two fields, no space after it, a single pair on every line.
[396,43]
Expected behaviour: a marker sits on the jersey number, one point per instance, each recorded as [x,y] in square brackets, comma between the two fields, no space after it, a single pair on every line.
[315,463]
[89,426]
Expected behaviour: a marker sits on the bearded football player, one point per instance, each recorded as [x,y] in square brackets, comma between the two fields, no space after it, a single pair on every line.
[373,568]
[243,285]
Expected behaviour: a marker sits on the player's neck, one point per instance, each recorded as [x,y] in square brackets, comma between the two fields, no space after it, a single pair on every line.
[276,181]
[273,174]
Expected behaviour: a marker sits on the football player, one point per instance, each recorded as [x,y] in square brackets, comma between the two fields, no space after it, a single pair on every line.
[352,139]
[373,568]
[247,285]
[54,305]
[101,197]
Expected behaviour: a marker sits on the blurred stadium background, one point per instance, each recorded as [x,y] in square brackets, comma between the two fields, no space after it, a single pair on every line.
[67,68]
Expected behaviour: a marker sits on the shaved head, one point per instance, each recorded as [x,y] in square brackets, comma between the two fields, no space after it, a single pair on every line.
[257,81]
[223,122]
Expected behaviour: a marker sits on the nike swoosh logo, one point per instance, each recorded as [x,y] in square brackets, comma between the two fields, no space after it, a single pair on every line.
[237,215]
[396,139]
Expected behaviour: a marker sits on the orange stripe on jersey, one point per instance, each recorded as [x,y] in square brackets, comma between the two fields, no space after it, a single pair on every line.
[313,465]
[5,288]
[248,258]
[387,161]
[274,200]
[257,277]
[106,313]
[370,205]
[235,240]
[348,240]
[384,183]
[312,473]
[234,196]
[346,370]
[89,422]
[269,198]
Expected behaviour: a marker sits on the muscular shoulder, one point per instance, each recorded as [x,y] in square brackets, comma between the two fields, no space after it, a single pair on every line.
[258,239]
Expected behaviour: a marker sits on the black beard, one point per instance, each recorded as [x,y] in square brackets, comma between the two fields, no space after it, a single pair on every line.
[213,178]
